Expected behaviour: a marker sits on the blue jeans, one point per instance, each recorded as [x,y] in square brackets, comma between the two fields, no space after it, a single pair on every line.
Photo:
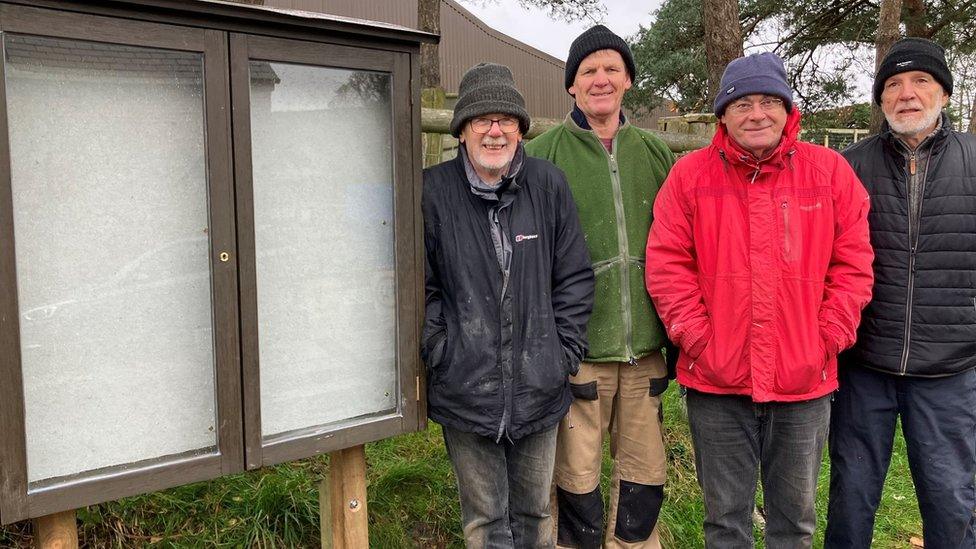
[736,438]
[504,488]
[938,419]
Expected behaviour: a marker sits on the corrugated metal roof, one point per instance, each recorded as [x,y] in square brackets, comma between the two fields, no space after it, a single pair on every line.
[465,42]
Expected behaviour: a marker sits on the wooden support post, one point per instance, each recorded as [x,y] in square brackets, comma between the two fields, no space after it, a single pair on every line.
[432,98]
[57,531]
[342,501]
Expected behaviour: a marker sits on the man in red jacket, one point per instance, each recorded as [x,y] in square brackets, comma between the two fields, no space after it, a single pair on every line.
[759,263]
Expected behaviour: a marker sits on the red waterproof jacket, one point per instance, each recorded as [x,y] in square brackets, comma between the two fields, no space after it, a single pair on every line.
[759,270]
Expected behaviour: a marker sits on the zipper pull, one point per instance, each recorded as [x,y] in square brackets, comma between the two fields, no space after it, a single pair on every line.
[632,361]
[911,164]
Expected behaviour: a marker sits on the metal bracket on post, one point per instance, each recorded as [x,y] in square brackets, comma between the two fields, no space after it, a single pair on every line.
[57,531]
[342,501]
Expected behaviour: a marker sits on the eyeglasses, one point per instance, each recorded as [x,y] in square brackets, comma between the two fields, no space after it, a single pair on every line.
[767,104]
[483,125]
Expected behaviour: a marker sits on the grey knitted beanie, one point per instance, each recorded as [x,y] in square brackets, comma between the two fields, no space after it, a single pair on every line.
[759,73]
[485,89]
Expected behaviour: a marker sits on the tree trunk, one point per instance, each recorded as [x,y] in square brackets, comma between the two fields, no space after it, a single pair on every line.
[429,19]
[915,13]
[723,38]
[887,34]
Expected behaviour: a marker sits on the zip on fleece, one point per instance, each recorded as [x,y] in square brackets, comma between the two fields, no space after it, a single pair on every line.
[623,249]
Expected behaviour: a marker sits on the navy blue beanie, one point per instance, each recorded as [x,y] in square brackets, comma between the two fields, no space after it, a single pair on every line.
[759,73]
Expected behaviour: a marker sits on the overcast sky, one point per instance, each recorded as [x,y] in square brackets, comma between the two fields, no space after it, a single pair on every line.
[624,17]
[533,27]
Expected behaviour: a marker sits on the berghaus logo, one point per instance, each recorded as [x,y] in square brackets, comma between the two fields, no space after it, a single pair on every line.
[521,237]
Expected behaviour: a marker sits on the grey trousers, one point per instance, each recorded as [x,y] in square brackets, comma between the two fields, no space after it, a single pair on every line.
[504,488]
[735,439]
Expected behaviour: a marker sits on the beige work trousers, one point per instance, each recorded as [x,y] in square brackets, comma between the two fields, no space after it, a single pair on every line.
[627,407]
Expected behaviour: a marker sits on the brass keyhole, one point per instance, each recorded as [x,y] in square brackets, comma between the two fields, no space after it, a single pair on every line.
[224,257]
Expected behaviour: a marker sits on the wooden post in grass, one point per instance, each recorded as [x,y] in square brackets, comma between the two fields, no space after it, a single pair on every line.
[57,531]
[342,501]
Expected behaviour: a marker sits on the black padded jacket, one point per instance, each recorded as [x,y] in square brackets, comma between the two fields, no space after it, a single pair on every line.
[922,317]
[499,347]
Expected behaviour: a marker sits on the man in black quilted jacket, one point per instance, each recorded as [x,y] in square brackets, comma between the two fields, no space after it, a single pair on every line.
[915,355]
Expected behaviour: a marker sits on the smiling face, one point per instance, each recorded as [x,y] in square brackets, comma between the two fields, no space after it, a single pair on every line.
[600,83]
[758,128]
[490,153]
[912,103]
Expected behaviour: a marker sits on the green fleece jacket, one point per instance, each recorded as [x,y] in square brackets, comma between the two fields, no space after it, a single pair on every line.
[614,194]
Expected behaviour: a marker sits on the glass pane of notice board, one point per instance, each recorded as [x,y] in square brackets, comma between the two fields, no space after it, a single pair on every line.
[321,145]
[109,181]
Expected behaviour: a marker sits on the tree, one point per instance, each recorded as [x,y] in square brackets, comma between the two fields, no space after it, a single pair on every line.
[670,59]
[888,33]
[429,19]
[825,44]
[962,104]
[723,38]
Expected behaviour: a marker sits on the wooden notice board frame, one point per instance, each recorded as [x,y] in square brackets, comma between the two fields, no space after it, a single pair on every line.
[226,36]
[316,440]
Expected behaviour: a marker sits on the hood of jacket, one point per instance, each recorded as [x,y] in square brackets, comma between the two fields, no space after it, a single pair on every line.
[736,155]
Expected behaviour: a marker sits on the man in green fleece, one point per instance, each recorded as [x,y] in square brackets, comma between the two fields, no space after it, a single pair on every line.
[614,171]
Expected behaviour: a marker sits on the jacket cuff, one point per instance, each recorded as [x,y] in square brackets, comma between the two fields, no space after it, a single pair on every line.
[430,347]
[834,339]
[572,364]
[695,345]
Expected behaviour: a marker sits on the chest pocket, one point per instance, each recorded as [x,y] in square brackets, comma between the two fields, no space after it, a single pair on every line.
[805,222]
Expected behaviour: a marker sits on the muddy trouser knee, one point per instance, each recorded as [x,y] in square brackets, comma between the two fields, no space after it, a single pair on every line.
[623,401]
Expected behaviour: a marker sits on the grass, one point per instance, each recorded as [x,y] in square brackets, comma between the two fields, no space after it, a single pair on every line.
[412,503]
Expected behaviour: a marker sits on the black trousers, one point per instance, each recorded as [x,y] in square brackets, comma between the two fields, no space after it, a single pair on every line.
[938,417]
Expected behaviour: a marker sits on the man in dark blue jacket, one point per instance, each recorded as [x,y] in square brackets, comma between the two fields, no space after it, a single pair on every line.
[915,355]
[509,291]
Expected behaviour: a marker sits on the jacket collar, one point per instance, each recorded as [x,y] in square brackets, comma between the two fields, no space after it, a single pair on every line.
[507,185]
[579,117]
[736,155]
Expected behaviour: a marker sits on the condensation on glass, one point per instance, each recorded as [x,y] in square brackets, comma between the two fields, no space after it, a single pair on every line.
[323,222]
[112,248]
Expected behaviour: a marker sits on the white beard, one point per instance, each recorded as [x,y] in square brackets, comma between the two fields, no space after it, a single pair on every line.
[911,128]
[499,164]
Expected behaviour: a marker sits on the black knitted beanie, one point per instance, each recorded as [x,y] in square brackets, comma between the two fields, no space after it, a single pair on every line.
[594,39]
[913,54]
